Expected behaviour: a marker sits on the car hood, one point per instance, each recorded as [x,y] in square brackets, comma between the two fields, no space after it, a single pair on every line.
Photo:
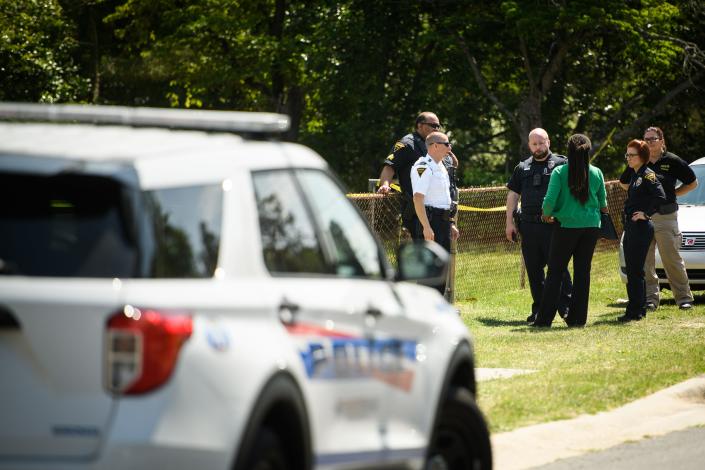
[691,218]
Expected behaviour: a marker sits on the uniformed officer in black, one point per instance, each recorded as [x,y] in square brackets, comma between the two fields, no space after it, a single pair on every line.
[670,170]
[431,189]
[529,181]
[644,196]
[402,157]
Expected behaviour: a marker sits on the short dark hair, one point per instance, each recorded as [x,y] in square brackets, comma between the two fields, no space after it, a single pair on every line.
[422,117]
[641,147]
[659,133]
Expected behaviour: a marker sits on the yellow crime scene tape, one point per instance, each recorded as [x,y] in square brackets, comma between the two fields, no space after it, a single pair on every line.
[461,207]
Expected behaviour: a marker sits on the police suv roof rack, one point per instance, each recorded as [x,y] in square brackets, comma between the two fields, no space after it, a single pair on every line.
[194,119]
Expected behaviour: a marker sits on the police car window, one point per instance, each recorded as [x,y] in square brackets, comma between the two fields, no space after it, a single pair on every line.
[355,249]
[289,240]
[186,224]
[66,225]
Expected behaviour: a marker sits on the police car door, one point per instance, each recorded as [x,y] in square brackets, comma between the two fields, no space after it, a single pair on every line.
[327,271]
[386,358]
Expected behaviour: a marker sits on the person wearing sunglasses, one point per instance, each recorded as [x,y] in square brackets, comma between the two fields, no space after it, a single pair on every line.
[644,196]
[432,200]
[670,169]
[402,157]
[529,182]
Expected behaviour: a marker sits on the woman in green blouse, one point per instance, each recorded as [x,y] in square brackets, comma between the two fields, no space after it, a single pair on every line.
[576,196]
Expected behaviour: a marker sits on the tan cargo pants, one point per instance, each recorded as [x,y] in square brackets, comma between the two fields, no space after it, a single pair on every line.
[668,238]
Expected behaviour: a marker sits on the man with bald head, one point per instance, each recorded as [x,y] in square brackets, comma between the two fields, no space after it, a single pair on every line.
[529,182]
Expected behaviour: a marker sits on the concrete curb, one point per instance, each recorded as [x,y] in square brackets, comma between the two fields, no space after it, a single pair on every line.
[678,407]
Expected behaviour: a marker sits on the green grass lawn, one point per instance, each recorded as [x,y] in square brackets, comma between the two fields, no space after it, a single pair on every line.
[586,370]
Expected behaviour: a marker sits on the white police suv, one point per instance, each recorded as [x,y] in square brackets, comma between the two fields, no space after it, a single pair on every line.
[181,290]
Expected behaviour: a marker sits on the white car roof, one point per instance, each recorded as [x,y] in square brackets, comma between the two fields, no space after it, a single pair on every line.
[127,144]
[699,161]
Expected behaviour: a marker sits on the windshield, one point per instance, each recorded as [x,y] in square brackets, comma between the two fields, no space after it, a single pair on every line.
[697,196]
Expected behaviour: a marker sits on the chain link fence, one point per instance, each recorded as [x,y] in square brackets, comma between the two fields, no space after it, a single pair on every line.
[486,262]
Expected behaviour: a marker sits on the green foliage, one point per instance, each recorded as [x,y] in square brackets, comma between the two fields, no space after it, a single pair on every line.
[36,46]
[353,74]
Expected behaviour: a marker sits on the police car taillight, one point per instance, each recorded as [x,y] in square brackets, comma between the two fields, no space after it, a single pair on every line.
[142,346]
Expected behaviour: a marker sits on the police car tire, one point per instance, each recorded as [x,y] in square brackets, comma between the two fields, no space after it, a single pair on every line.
[461,439]
[268,452]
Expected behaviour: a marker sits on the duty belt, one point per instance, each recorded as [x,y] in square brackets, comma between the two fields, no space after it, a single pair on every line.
[531,218]
[437,211]
[669,208]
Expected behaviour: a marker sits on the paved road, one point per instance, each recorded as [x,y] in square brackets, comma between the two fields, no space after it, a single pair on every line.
[682,450]
[676,408]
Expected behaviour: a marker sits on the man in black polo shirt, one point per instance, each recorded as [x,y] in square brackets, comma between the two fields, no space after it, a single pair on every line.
[402,157]
[529,181]
[669,169]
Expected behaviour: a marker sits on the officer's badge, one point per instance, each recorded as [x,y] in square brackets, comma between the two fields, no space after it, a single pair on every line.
[551,164]
[637,182]
[420,170]
[651,176]
[398,145]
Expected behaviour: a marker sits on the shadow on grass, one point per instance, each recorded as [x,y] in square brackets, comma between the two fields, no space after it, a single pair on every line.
[487,321]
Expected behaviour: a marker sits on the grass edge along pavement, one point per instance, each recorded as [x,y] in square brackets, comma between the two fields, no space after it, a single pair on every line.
[580,370]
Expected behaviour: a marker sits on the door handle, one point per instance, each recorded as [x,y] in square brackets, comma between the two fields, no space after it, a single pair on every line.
[373,312]
[8,320]
[287,312]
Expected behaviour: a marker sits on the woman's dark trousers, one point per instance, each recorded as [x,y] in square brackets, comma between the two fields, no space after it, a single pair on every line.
[566,243]
[637,238]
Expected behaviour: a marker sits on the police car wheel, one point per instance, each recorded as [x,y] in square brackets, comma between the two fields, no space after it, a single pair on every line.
[461,439]
[267,453]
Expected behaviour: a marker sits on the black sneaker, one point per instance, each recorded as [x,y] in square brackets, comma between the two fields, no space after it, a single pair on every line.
[650,307]
[531,318]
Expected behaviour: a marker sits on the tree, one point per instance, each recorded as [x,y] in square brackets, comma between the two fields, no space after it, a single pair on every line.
[36,47]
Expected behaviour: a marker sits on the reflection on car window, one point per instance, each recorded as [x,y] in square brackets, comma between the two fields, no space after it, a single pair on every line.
[288,236]
[186,223]
[353,245]
[67,225]
[697,195]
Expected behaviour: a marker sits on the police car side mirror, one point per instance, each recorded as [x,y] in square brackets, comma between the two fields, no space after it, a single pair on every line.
[423,262]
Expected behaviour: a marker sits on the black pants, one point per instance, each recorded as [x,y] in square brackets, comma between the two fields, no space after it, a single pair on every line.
[637,238]
[535,247]
[441,234]
[566,243]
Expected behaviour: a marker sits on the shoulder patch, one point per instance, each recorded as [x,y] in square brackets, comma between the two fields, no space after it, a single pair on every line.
[420,170]
[398,145]
[390,156]
[651,176]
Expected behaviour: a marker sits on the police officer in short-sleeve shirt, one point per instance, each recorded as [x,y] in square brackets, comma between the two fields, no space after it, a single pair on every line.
[529,181]
[432,201]
[402,157]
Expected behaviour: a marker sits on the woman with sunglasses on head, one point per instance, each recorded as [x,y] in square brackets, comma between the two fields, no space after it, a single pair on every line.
[670,169]
[575,197]
[644,196]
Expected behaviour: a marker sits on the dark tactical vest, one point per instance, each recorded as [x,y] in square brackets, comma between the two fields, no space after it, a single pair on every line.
[534,184]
